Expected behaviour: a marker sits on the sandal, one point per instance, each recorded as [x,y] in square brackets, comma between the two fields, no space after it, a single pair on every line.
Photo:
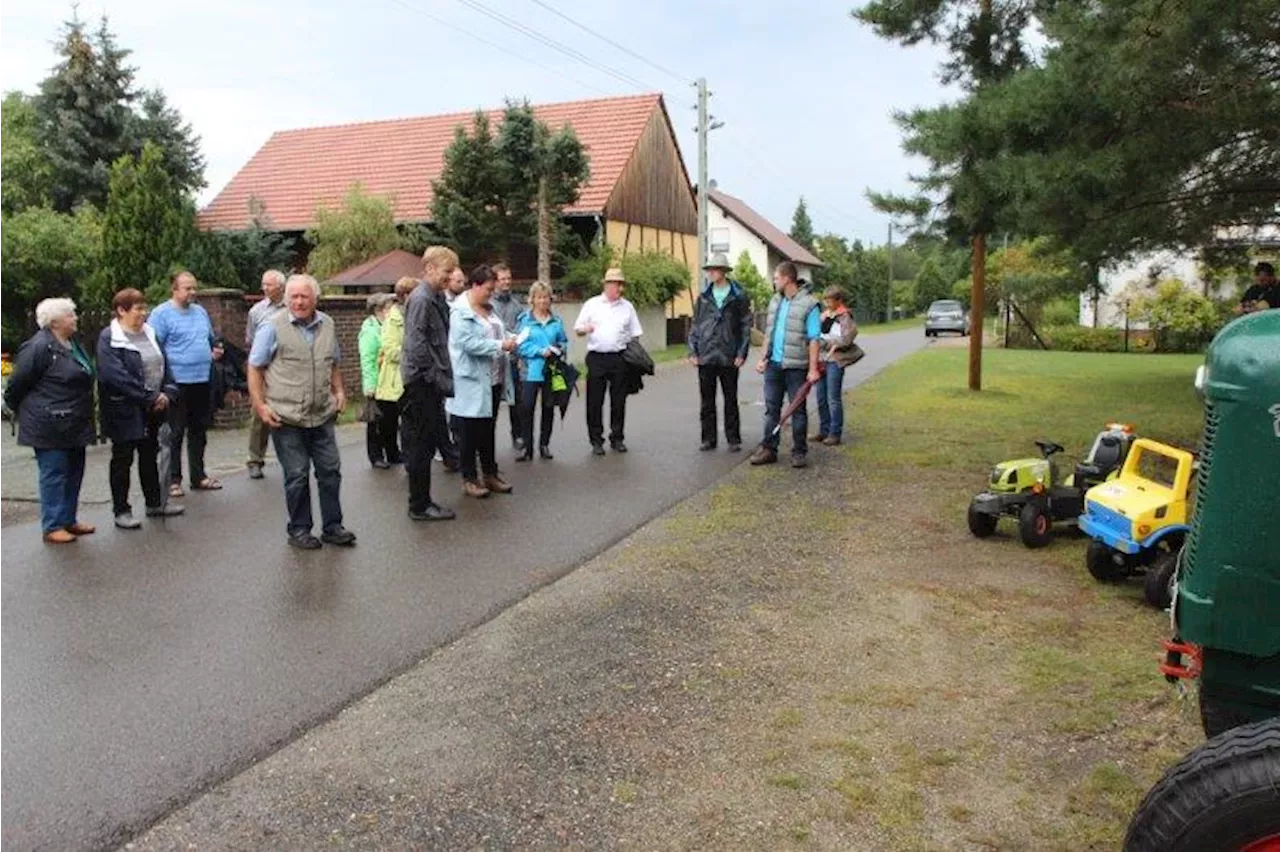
[175,490]
[207,484]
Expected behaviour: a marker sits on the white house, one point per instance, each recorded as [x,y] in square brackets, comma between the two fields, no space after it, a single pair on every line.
[1161,265]
[733,227]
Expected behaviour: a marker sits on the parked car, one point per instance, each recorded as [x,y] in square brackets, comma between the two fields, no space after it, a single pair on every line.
[946,315]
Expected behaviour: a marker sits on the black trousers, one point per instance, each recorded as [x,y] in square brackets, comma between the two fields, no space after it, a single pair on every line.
[528,400]
[606,371]
[380,436]
[422,425]
[189,416]
[476,438]
[727,378]
[122,453]
[493,420]
[513,411]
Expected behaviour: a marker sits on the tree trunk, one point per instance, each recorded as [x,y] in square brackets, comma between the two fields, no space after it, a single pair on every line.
[977,310]
[544,234]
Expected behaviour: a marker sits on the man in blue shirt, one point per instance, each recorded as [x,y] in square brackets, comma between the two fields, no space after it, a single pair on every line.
[790,359]
[185,333]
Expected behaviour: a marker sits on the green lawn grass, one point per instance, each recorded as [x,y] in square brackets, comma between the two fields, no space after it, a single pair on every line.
[920,413]
[892,325]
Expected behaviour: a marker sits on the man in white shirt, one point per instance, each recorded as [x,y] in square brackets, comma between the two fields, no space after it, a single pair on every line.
[609,323]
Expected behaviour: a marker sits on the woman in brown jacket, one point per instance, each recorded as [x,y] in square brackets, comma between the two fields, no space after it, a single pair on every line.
[837,352]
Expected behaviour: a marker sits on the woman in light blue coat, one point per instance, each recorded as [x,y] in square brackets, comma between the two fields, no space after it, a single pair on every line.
[472,350]
[544,338]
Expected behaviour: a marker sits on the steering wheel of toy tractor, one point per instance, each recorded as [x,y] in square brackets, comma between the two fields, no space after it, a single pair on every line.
[1049,448]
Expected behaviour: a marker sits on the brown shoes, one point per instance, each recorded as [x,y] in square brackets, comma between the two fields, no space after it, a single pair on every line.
[763,455]
[474,489]
[59,537]
[497,484]
[81,529]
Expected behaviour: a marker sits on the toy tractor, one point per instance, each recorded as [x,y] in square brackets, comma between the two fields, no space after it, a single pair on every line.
[1033,491]
[1225,795]
[1138,520]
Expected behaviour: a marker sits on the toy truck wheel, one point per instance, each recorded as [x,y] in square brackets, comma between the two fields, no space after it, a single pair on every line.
[981,524]
[1158,586]
[1222,797]
[1034,525]
[1100,560]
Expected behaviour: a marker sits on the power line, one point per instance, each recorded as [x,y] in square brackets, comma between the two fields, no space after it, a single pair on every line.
[505,50]
[611,42]
[555,45]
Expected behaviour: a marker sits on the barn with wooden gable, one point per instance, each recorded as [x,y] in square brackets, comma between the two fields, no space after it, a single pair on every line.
[638,197]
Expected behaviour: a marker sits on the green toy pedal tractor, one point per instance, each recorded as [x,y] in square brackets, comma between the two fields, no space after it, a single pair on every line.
[1034,492]
[1138,520]
[1225,795]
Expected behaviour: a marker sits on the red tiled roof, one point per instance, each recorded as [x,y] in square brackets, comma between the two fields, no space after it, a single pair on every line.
[385,269]
[764,229]
[298,170]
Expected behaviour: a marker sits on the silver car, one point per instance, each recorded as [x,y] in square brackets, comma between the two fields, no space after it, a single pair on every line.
[946,315]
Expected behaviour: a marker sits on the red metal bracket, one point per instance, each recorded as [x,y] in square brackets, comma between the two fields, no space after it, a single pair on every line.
[1174,668]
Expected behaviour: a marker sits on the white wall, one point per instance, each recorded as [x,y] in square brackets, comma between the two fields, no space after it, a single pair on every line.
[653,321]
[740,240]
[1161,265]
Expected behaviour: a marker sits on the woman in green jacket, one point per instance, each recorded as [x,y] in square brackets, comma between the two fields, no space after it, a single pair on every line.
[380,436]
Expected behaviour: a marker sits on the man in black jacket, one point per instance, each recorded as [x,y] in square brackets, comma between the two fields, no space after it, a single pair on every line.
[718,342]
[428,380]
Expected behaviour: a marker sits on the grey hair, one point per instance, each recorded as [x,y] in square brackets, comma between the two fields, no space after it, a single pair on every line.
[50,309]
[378,300]
[305,279]
[275,274]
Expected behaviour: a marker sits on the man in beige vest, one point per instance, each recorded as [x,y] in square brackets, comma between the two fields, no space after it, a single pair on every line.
[296,388]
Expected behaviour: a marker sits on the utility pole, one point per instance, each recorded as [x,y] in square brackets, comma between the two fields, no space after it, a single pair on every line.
[706,124]
[888,302]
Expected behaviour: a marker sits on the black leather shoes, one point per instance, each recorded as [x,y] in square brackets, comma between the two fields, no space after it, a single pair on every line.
[304,541]
[597,449]
[527,455]
[433,513]
[618,446]
[706,446]
[341,537]
[545,452]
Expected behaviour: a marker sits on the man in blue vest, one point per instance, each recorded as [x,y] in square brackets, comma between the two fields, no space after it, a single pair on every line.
[790,359]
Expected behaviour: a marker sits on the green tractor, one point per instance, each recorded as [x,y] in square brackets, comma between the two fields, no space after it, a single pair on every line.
[1034,492]
[1225,795]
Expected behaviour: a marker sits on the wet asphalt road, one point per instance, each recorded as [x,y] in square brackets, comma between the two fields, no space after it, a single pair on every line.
[141,668]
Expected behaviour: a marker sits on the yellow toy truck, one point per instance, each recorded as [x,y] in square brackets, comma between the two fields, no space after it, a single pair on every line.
[1138,520]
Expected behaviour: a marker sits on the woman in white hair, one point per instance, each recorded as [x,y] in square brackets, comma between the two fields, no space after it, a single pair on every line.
[51,390]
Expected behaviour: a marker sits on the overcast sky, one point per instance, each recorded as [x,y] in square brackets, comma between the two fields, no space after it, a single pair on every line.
[805,92]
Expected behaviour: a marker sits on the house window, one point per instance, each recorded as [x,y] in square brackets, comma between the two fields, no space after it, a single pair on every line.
[719,240]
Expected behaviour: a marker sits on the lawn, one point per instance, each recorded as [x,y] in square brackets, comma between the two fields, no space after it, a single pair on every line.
[892,325]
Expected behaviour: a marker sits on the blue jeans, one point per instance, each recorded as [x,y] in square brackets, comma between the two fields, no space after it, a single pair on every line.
[297,449]
[776,382]
[831,400]
[61,472]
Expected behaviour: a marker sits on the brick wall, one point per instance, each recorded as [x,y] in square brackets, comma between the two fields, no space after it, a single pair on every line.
[229,312]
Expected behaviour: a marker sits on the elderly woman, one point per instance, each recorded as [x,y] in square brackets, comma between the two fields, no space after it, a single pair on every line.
[390,385]
[473,350]
[51,389]
[546,338]
[135,390]
[380,441]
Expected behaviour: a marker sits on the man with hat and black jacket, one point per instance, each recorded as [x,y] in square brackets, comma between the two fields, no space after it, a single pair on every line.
[718,342]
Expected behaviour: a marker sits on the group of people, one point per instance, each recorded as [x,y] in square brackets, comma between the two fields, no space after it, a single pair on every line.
[438,357]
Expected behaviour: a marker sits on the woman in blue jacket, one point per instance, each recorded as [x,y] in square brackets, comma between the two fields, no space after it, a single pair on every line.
[135,390]
[546,337]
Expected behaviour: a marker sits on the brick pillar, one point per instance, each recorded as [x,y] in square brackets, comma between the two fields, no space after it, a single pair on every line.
[229,312]
[348,314]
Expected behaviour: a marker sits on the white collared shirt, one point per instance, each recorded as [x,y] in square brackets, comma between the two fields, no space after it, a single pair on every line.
[616,324]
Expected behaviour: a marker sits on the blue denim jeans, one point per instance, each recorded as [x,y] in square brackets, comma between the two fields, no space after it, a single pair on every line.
[776,382]
[297,449]
[831,400]
[61,472]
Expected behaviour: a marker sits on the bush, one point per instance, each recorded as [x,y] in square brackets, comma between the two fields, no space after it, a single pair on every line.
[1078,338]
[1180,320]
[1061,312]
[653,277]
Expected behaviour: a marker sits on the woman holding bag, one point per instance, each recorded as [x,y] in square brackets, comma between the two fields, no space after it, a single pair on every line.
[546,337]
[837,352]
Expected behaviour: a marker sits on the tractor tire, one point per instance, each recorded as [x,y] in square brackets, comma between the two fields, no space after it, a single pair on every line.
[1222,797]
[1158,586]
[981,524]
[1218,718]
[1099,559]
[1034,527]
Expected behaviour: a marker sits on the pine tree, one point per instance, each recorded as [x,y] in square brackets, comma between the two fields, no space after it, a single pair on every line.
[467,199]
[802,225]
[162,125]
[147,229]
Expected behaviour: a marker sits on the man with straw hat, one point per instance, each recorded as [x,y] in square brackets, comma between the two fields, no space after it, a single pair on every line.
[718,342]
[608,322]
